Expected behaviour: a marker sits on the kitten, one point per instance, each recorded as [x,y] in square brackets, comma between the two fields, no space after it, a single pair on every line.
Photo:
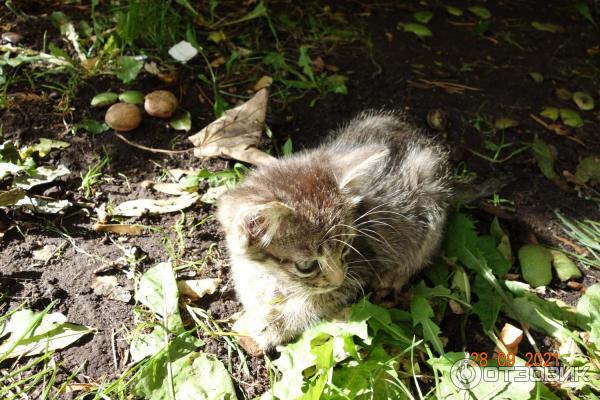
[310,233]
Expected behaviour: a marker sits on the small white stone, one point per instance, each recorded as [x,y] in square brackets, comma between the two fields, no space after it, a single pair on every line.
[183,51]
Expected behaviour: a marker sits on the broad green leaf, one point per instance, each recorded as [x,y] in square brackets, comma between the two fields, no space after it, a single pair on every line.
[488,304]
[44,147]
[583,100]
[494,259]
[454,11]
[132,97]
[423,16]
[148,344]
[564,267]
[288,147]
[420,30]
[571,118]
[535,263]
[157,290]
[104,99]
[537,77]
[422,314]
[588,169]
[92,126]
[31,335]
[181,121]
[129,68]
[546,27]
[43,174]
[550,113]
[481,12]
[545,155]
[502,240]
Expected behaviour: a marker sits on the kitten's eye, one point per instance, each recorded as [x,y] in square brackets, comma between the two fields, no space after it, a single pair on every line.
[307,267]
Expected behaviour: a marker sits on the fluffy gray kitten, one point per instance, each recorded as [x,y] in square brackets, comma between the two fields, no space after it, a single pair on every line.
[310,233]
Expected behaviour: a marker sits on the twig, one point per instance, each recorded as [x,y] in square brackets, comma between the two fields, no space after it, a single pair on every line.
[152,149]
[114,350]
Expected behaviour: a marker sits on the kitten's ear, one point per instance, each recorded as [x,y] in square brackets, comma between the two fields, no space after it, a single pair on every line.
[352,170]
[258,224]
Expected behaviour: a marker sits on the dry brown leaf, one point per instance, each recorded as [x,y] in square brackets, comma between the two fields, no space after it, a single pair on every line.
[121,229]
[171,188]
[197,288]
[456,307]
[79,387]
[109,287]
[139,207]
[237,133]
[264,82]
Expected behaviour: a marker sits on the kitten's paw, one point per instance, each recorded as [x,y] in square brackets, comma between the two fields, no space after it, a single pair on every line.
[257,335]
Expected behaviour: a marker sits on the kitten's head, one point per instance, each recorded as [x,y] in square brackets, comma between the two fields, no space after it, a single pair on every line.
[294,217]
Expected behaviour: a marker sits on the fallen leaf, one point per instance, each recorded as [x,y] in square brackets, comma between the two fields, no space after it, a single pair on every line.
[139,207]
[264,82]
[588,169]
[564,267]
[197,288]
[570,118]
[129,68]
[43,174]
[121,229]
[550,113]
[420,30]
[183,52]
[237,133]
[505,123]
[545,155]
[583,100]
[11,197]
[45,253]
[537,77]
[217,62]
[481,12]
[108,286]
[181,121]
[546,27]
[43,206]
[563,93]
[44,147]
[454,11]
[423,16]
[172,188]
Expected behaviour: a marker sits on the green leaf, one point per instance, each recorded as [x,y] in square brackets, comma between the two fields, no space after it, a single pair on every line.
[92,126]
[550,113]
[505,123]
[288,147]
[535,264]
[537,77]
[422,314]
[35,333]
[481,12]
[584,101]
[129,68]
[571,118]
[565,268]
[546,27]
[583,9]
[44,147]
[104,99]
[454,11]
[148,344]
[305,63]
[132,97]
[181,121]
[420,30]
[157,290]
[545,156]
[488,304]
[336,83]
[588,308]
[423,16]
[588,169]
[502,240]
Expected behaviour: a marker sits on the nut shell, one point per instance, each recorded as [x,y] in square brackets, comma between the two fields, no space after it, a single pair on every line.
[123,117]
[160,104]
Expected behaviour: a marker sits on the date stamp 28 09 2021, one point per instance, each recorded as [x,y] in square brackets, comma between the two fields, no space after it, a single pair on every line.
[477,367]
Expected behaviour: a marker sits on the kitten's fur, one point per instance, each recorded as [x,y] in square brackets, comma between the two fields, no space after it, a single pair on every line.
[369,206]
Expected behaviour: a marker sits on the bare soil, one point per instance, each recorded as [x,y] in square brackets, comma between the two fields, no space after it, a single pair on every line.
[396,73]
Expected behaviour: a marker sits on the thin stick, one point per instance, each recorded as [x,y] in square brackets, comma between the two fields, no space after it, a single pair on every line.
[152,149]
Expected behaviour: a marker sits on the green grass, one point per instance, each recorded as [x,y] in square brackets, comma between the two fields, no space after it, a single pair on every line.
[93,175]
